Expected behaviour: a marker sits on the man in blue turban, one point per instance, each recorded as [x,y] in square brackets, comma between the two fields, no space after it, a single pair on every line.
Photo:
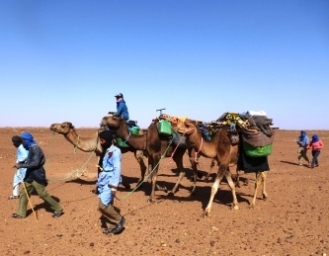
[302,142]
[35,178]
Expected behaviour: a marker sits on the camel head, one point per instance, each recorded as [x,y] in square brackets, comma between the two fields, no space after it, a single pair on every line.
[112,121]
[63,128]
[187,127]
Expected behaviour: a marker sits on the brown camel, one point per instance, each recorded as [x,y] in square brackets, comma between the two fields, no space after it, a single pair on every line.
[225,153]
[92,143]
[156,147]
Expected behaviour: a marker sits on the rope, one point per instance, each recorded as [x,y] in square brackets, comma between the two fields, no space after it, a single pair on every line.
[77,144]
[128,137]
[196,159]
[162,156]
[78,172]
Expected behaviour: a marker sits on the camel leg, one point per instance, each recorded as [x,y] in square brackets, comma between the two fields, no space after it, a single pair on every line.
[154,161]
[178,158]
[154,180]
[139,157]
[214,188]
[257,183]
[195,175]
[212,164]
[180,177]
[230,182]
[264,174]
[237,182]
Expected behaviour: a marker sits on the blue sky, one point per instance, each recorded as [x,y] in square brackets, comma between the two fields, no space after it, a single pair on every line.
[65,60]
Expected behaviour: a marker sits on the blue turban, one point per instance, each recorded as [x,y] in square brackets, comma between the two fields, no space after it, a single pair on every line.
[28,140]
[315,138]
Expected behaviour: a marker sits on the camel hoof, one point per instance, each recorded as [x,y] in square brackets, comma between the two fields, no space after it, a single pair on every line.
[192,192]
[235,207]
[206,213]
[151,200]
[171,194]
[251,206]
[264,197]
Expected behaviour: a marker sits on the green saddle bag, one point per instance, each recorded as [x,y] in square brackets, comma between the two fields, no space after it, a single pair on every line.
[259,151]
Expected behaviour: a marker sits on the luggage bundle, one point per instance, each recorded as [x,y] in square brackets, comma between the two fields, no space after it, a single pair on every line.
[255,131]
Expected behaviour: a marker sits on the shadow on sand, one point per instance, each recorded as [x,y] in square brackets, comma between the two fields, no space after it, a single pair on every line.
[292,163]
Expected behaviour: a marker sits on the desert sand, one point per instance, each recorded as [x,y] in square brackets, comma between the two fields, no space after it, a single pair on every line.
[292,221]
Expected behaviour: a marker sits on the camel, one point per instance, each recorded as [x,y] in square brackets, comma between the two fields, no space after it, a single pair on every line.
[89,144]
[212,129]
[153,145]
[225,153]
[86,144]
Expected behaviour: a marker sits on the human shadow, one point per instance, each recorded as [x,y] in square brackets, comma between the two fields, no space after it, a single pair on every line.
[43,205]
[288,162]
[82,181]
[126,181]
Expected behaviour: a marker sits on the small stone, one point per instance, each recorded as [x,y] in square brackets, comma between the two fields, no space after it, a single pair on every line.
[177,240]
[91,244]
[212,243]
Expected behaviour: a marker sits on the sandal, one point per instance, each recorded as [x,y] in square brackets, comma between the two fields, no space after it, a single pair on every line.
[13,197]
[16,216]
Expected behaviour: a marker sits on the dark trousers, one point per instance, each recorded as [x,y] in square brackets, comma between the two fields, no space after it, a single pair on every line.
[41,190]
[109,213]
[315,154]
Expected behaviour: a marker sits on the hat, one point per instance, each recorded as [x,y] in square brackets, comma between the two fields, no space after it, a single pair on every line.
[119,95]
[16,139]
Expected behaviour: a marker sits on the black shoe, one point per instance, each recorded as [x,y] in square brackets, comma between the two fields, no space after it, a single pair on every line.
[119,227]
[16,216]
[107,231]
[122,221]
[57,214]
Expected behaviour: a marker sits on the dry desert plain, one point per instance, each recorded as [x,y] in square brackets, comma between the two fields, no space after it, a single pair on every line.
[292,221]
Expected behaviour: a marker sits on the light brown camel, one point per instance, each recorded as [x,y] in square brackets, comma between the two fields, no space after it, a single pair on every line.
[153,145]
[86,144]
[89,144]
[225,153]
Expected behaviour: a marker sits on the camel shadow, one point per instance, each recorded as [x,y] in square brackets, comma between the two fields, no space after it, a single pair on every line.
[202,195]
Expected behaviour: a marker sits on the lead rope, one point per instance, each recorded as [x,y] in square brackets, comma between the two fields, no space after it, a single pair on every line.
[196,158]
[162,156]
[76,173]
